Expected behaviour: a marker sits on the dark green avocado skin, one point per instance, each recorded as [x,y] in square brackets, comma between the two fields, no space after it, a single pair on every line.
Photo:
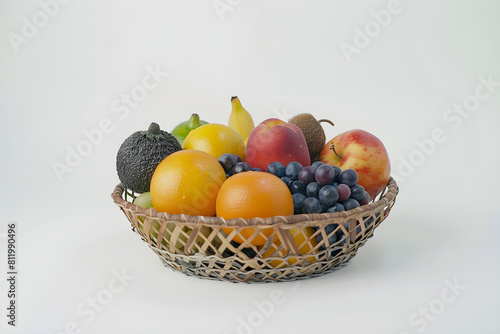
[139,155]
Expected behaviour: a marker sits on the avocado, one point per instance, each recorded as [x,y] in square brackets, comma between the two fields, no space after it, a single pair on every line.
[139,155]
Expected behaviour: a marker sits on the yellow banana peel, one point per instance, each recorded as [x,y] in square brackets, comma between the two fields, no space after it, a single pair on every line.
[240,120]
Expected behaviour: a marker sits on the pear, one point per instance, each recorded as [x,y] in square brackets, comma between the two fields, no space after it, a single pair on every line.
[181,131]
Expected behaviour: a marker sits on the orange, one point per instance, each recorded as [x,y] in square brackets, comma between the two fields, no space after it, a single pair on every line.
[187,182]
[301,238]
[215,139]
[253,194]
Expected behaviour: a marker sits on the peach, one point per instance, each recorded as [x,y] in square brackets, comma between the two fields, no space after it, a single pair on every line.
[276,140]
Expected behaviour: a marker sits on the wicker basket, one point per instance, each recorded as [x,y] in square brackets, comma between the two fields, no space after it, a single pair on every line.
[197,245]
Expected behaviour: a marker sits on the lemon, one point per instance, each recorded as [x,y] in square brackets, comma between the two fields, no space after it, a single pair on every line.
[215,139]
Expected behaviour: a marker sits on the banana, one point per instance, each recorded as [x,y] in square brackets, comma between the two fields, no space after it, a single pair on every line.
[240,120]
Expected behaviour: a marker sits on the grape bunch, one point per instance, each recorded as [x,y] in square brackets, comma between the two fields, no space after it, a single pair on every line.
[233,164]
[320,187]
[340,236]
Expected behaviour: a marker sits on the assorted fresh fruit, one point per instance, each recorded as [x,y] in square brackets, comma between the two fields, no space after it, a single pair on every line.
[237,170]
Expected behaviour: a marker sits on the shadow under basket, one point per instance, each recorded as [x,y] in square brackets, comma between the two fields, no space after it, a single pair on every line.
[281,248]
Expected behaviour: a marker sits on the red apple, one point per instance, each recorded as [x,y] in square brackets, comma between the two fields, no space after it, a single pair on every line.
[275,140]
[363,152]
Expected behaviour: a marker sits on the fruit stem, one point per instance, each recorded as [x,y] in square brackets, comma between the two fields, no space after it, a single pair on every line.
[326,121]
[235,101]
[332,147]
[153,131]
[194,120]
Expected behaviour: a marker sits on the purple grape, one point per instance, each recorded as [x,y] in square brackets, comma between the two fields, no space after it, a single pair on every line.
[328,195]
[337,207]
[227,161]
[297,203]
[311,205]
[358,192]
[341,236]
[317,163]
[370,221]
[344,192]
[346,225]
[351,203]
[256,169]
[329,230]
[324,208]
[306,175]
[292,170]
[241,167]
[276,168]
[288,181]
[298,187]
[312,189]
[337,173]
[349,177]
[325,174]
[365,199]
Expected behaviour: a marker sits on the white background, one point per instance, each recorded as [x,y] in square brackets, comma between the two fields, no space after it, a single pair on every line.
[281,58]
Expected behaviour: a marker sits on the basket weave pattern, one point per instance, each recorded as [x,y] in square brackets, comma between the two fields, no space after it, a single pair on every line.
[197,245]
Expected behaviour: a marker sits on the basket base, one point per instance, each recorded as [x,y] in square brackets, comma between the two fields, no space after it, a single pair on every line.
[207,270]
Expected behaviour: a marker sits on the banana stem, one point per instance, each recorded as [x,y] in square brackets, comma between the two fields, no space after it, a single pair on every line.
[236,103]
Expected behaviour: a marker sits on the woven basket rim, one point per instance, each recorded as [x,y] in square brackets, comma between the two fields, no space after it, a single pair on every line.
[392,190]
